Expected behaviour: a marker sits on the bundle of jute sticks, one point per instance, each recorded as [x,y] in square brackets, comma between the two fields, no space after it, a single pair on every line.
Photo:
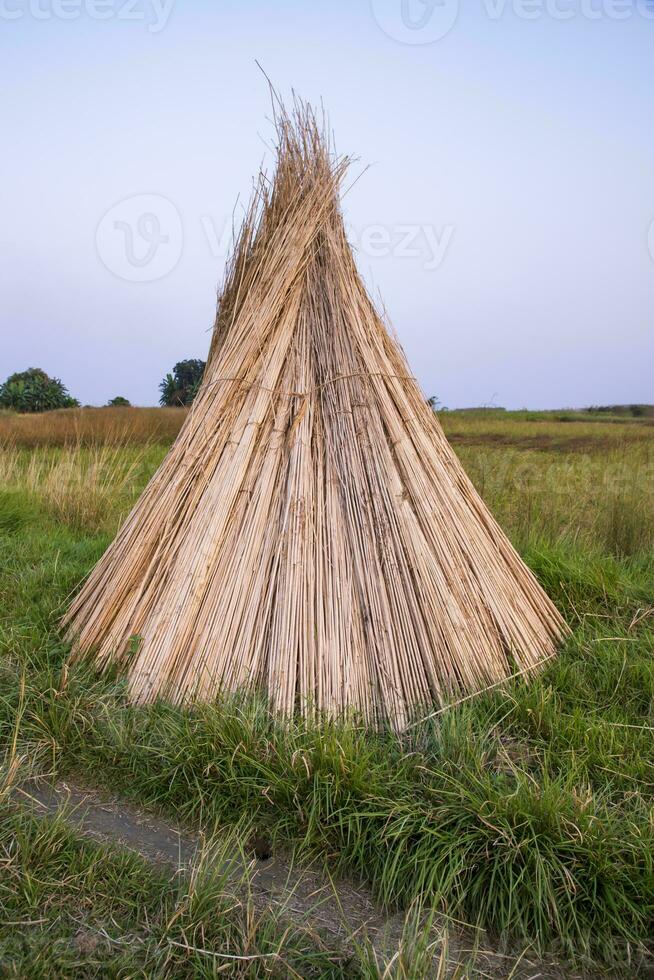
[310,533]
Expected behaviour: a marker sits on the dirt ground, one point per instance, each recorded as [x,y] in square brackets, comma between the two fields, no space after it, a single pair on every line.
[343,909]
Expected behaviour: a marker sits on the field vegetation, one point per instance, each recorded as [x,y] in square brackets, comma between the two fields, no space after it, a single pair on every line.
[84,427]
[525,812]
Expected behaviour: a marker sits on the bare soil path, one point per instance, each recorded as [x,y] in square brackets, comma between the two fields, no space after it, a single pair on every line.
[344,910]
[304,894]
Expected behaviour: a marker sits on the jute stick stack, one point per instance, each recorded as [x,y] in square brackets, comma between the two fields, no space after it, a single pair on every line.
[310,533]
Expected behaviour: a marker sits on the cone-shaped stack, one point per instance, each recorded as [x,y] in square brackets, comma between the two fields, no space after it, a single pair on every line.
[310,532]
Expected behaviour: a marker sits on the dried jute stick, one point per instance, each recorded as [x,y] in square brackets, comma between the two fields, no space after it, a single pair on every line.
[311,533]
[483,690]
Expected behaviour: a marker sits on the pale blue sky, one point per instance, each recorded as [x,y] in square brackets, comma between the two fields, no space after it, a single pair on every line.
[504,217]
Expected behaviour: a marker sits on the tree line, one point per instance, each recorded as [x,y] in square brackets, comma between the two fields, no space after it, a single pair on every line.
[34,390]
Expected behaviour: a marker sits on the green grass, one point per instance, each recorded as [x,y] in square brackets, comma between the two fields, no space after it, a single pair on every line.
[527,811]
[72,907]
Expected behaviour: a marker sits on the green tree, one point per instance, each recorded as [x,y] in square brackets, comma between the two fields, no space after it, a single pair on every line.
[118,402]
[181,387]
[435,403]
[34,391]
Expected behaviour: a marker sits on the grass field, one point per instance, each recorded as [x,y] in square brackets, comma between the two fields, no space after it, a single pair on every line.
[526,813]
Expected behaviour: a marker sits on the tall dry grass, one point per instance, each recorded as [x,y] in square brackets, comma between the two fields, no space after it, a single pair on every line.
[543,431]
[89,489]
[602,501]
[92,427]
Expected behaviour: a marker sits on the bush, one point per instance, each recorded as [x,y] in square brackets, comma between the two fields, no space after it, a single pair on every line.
[34,391]
[181,387]
[119,402]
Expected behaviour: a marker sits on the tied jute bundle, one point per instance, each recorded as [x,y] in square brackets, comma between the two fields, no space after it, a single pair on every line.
[311,532]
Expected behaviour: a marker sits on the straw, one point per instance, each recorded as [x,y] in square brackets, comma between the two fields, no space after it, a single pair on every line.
[311,532]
